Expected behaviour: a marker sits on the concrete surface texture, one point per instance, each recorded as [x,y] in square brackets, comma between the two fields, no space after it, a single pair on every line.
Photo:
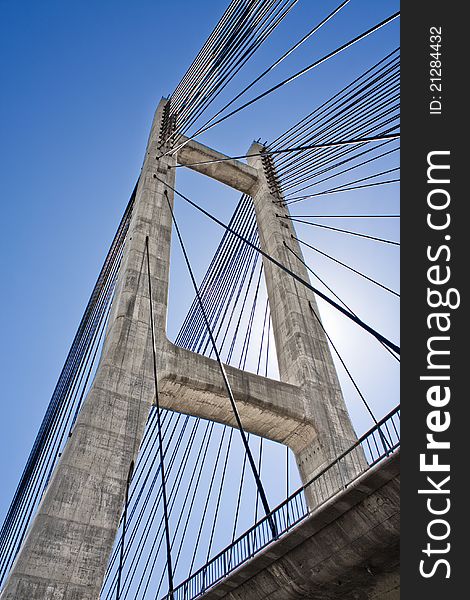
[65,553]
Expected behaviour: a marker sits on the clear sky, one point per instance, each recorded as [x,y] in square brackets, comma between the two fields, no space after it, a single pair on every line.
[79,84]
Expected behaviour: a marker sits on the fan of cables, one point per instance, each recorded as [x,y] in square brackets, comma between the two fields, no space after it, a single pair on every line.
[368,106]
[65,403]
[243,28]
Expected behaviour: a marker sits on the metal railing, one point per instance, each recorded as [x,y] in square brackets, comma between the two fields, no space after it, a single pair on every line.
[375,445]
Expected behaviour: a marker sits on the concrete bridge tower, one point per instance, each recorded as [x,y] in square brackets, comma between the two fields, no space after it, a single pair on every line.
[66,550]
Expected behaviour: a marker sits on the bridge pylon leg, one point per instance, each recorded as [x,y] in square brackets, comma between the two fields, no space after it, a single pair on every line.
[65,553]
[303,354]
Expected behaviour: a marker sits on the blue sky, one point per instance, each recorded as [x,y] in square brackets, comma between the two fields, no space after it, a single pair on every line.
[80,81]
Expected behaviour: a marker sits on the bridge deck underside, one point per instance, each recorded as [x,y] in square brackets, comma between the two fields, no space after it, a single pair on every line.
[347,549]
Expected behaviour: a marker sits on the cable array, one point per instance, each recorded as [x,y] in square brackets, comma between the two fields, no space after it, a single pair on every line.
[65,403]
[212,122]
[368,106]
[243,28]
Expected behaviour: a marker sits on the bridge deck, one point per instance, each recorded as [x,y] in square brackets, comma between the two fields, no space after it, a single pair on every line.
[350,543]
